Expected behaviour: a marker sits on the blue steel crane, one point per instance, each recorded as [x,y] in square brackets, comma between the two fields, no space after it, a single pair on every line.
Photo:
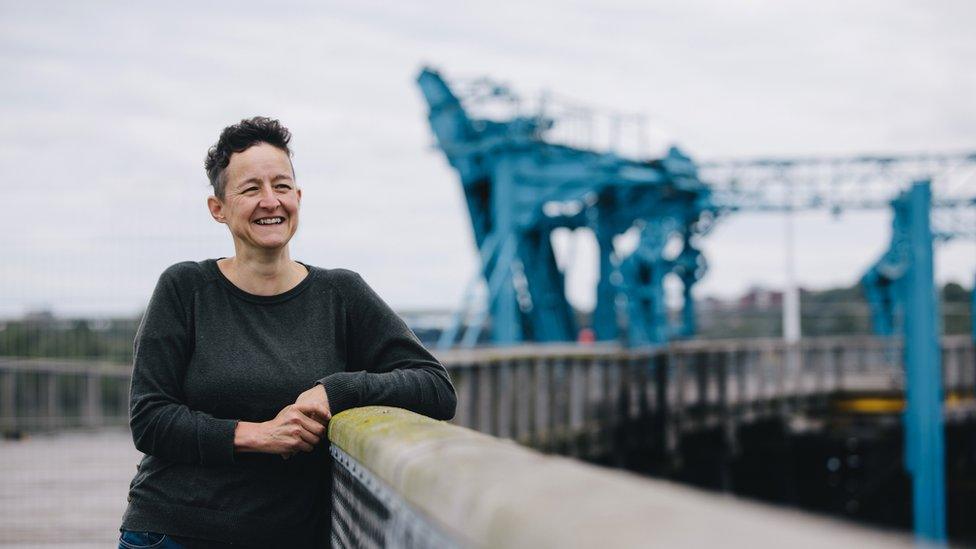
[520,187]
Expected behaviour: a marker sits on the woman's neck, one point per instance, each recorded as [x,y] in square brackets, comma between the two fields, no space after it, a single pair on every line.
[263,274]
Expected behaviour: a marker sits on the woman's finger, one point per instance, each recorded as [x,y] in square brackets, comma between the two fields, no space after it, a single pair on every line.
[309,437]
[319,416]
[313,426]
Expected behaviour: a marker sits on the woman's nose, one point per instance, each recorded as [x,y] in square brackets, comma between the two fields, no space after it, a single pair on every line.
[268,200]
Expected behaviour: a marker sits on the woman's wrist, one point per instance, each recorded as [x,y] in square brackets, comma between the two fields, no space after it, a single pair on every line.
[246,437]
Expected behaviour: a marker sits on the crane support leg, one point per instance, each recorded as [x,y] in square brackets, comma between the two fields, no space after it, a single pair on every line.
[923,416]
[605,313]
[506,327]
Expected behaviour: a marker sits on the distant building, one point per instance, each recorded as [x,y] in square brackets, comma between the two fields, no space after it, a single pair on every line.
[760,299]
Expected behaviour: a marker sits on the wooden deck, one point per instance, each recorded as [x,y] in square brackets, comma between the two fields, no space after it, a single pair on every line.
[66,490]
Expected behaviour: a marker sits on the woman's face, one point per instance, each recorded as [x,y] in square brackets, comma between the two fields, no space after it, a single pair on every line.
[261,199]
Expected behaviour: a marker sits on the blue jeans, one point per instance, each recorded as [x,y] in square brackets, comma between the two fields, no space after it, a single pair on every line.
[143,540]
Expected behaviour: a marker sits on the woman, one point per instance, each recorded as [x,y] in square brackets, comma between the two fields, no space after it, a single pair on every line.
[240,363]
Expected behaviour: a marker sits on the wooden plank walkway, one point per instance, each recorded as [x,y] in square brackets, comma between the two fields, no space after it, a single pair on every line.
[65,490]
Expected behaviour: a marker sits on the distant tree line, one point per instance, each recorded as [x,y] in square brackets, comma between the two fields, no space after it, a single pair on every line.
[838,311]
[835,311]
[44,336]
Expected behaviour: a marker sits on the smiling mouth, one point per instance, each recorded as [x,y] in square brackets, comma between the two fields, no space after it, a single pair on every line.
[270,221]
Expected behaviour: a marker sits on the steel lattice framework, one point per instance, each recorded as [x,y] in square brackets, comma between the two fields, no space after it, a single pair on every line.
[524,177]
[519,188]
[522,180]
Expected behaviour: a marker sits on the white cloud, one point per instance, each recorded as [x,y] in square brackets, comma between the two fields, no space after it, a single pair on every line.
[109,107]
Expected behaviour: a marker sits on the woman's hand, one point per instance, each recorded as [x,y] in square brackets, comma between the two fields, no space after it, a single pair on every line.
[315,404]
[290,432]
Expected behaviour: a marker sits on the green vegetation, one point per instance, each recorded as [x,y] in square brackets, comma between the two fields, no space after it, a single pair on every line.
[45,336]
[957,311]
[837,311]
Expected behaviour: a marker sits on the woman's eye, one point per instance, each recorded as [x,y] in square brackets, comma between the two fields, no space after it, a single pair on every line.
[250,189]
[284,187]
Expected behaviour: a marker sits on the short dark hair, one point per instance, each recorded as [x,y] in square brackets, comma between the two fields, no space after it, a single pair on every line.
[238,138]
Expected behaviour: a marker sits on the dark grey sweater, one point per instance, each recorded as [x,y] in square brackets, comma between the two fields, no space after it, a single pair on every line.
[208,354]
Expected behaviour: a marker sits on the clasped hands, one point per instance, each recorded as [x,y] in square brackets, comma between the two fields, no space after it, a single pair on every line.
[297,428]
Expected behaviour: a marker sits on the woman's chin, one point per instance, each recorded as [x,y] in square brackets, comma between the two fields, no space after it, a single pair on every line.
[267,245]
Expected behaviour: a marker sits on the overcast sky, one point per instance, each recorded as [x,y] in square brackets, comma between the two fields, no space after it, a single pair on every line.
[107,110]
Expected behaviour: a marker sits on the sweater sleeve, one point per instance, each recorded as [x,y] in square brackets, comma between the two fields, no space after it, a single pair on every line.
[387,363]
[162,425]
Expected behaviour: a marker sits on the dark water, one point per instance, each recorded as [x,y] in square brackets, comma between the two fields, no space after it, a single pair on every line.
[850,467]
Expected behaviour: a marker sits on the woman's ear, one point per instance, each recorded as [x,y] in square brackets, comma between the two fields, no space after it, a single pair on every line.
[216,207]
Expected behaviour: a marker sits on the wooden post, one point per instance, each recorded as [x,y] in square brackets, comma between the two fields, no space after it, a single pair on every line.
[611,422]
[967,361]
[522,428]
[92,405]
[483,402]
[632,387]
[741,383]
[728,419]
[721,374]
[782,367]
[647,390]
[504,399]
[624,441]
[700,371]
[676,408]
[838,363]
[577,388]
[8,401]
[540,388]
[52,401]
[594,402]
[494,382]
[668,442]
[950,373]
[557,403]
[820,373]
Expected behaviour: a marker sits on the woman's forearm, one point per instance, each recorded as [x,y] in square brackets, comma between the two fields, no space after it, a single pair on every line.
[170,430]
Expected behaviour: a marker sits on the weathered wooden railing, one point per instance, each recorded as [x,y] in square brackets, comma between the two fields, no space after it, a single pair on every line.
[570,399]
[50,394]
[578,400]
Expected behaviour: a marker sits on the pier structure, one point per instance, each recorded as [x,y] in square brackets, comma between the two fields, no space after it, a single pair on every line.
[584,401]
[659,410]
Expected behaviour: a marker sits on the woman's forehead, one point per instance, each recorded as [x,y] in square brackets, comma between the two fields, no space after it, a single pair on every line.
[262,161]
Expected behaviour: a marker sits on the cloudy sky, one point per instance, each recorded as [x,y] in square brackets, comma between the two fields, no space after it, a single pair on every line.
[108,108]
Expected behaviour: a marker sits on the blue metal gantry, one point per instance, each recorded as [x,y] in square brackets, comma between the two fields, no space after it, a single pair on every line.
[519,187]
